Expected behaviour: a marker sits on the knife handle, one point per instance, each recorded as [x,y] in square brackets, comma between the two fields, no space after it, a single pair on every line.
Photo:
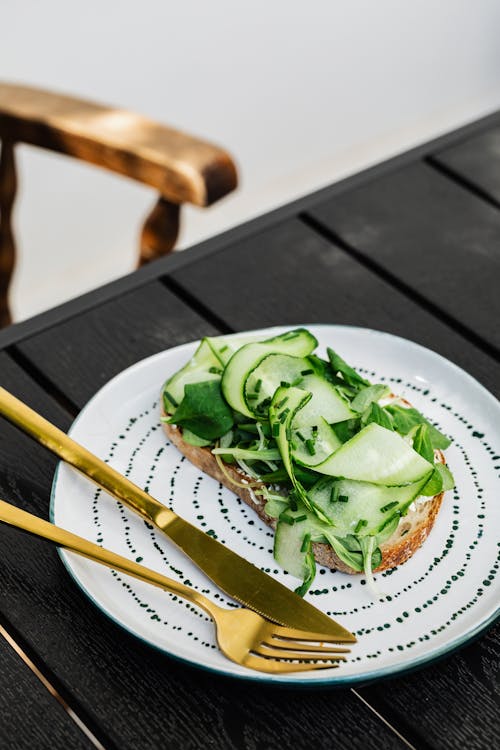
[110,480]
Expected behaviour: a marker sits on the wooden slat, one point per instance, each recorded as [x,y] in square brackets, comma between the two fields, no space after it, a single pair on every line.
[132,696]
[83,353]
[30,716]
[476,161]
[427,232]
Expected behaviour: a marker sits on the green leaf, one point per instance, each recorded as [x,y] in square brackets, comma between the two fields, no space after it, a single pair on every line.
[347,429]
[310,566]
[422,443]
[405,419]
[366,396]
[350,375]
[203,410]
[375,413]
[353,559]
[440,480]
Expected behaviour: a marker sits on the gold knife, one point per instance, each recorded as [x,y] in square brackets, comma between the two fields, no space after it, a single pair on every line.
[230,572]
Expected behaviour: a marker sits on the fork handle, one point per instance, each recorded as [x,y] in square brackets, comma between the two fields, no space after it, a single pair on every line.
[21,519]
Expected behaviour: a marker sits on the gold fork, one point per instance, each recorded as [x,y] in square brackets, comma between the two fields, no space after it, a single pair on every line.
[243,636]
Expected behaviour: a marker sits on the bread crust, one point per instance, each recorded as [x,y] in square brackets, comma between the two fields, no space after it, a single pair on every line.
[411,533]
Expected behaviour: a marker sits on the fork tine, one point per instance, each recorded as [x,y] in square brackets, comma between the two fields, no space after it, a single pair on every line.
[273,666]
[279,631]
[306,655]
[304,647]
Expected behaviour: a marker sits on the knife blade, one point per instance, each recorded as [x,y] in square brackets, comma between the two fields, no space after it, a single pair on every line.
[229,571]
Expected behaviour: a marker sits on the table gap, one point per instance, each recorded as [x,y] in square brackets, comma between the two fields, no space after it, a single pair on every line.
[401,286]
[50,683]
[42,380]
[198,307]
[434,162]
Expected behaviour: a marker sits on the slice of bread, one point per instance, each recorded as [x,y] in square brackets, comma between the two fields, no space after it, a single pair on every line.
[410,534]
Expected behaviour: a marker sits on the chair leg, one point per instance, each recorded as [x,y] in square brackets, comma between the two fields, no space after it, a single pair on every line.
[8,186]
[160,231]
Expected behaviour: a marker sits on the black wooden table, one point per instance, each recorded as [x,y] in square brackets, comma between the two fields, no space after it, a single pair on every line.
[411,247]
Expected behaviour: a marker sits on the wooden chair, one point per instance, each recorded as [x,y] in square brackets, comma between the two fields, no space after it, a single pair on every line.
[182,168]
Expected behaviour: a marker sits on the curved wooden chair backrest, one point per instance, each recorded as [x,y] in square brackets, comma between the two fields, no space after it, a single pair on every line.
[182,168]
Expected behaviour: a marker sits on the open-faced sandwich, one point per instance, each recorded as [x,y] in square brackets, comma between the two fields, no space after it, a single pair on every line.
[347,473]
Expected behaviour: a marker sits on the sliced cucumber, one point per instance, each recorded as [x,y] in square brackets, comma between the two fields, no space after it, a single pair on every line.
[376,455]
[289,549]
[202,366]
[224,347]
[348,503]
[272,372]
[284,406]
[312,445]
[299,343]
[326,403]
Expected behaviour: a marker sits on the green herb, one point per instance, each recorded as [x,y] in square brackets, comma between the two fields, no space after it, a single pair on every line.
[360,524]
[389,506]
[343,498]
[168,396]
[275,429]
[350,375]
[405,419]
[299,519]
[374,413]
[366,396]
[347,429]
[203,410]
[310,447]
[283,415]
[440,480]
[307,372]
[282,402]
[290,520]
[422,443]
[305,543]
[334,495]
[215,370]
[285,384]
[258,385]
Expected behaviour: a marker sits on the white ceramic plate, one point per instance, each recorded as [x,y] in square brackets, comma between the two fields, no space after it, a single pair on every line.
[447,593]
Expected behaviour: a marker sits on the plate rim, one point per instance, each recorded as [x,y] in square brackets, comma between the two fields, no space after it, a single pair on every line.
[295,680]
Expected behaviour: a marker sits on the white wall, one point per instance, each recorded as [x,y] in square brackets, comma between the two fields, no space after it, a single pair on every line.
[301,93]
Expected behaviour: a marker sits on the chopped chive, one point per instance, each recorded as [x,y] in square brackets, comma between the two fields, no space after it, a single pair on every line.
[284,415]
[275,429]
[215,370]
[305,543]
[387,507]
[293,503]
[258,385]
[300,436]
[298,519]
[362,522]
[307,372]
[343,498]
[223,349]
[282,402]
[287,519]
[171,399]
[288,433]
[315,431]
[252,396]
[334,496]
[285,384]
[310,447]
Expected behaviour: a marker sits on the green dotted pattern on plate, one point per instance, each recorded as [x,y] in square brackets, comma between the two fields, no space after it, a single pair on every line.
[141,430]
